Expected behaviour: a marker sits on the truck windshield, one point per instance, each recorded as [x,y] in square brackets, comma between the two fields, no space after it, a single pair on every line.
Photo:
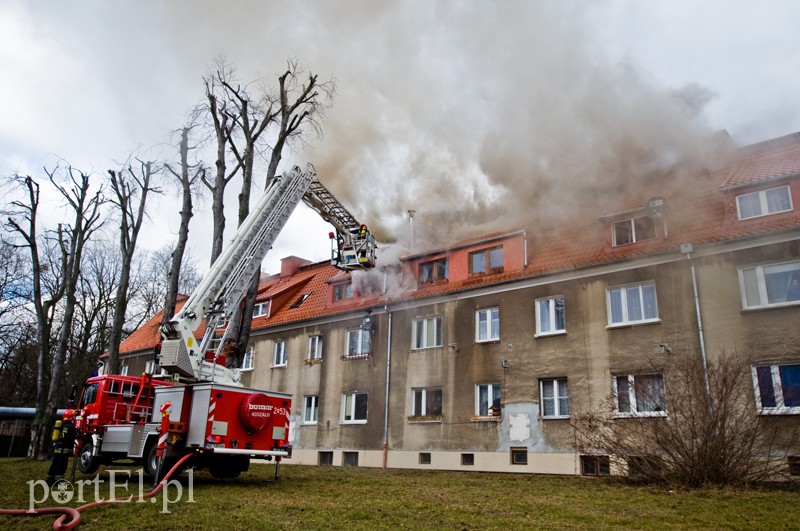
[89,395]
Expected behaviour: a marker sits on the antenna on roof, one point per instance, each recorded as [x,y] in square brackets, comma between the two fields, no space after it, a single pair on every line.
[411,225]
[657,208]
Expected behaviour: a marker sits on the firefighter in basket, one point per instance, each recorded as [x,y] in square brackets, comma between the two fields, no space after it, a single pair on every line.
[64,435]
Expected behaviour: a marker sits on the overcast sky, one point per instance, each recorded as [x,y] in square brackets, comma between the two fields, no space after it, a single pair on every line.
[449,108]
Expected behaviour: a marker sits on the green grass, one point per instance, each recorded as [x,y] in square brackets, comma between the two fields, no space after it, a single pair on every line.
[361,498]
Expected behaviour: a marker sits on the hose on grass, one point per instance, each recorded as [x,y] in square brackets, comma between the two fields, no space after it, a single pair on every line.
[71,517]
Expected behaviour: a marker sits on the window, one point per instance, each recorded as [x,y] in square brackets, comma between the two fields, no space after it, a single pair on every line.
[632,304]
[358,343]
[247,360]
[487,325]
[764,202]
[519,456]
[434,271]
[260,309]
[424,458]
[427,403]
[123,371]
[315,347]
[595,465]
[639,395]
[554,397]
[550,316]
[325,458]
[777,388]
[342,291]
[300,300]
[310,409]
[279,357]
[794,465]
[487,400]
[486,261]
[349,458]
[150,367]
[467,459]
[772,285]
[354,408]
[427,333]
[632,231]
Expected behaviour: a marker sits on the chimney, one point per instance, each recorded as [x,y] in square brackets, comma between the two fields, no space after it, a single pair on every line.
[291,264]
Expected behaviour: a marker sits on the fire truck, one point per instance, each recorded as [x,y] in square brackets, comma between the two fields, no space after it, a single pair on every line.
[210,414]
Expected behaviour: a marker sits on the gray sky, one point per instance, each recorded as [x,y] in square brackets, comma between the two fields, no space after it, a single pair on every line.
[455,109]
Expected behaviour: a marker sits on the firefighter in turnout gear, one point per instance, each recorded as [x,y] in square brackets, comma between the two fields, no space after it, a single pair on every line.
[64,435]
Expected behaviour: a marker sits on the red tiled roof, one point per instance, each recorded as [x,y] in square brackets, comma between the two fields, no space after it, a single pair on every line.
[779,157]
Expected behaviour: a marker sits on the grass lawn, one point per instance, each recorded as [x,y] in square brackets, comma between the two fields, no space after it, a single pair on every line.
[361,498]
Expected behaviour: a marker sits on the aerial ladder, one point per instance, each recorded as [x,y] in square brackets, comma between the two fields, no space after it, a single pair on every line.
[221,290]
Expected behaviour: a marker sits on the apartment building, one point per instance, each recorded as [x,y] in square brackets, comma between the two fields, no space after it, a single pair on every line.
[475,355]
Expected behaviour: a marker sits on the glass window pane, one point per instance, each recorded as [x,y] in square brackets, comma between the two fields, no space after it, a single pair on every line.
[751,293]
[633,298]
[433,405]
[478,263]
[650,305]
[644,228]
[778,200]
[623,397]
[437,339]
[749,206]
[361,406]
[418,402]
[544,316]
[559,314]
[765,388]
[495,323]
[483,400]
[615,296]
[623,232]
[649,392]
[790,385]
[496,258]
[348,407]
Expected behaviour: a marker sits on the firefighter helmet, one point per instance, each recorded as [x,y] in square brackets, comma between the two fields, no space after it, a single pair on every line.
[69,414]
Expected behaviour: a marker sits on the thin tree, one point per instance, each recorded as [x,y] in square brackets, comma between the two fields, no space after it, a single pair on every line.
[131,189]
[187,175]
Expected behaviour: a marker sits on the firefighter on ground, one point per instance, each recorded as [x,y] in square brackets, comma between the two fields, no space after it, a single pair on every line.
[64,434]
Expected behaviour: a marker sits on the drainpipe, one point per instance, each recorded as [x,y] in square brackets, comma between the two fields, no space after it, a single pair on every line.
[386,400]
[687,249]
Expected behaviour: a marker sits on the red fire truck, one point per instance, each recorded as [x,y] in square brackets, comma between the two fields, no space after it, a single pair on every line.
[211,415]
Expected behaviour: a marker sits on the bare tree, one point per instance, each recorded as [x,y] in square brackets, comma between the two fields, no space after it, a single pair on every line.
[296,108]
[131,189]
[724,441]
[187,176]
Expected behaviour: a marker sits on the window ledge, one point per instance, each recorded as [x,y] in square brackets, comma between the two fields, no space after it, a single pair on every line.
[312,361]
[425,419]
[633,324]
[787,304]
[351,422]
[345,357]
[550,334]
[278,366]
[779,411]
[486,418]
[639,415]
[246,370]
[486,341]
[309,423]
[554,417]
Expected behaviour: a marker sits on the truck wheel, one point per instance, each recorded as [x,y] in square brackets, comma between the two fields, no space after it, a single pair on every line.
[88,463]
[151,464]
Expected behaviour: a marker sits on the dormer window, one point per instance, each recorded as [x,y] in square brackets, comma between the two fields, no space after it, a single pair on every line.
[764,203]
[632,230]
[486,261]
[434,271]
[260,309]
[342,291]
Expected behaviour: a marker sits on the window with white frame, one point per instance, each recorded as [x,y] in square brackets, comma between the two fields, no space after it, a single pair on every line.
[247,359]
[427,333]
[315,347]
[635,303]
[777,388]
[279,354]
[310,409]
[358,343]
[487,324]
[260,309]
[770,285]
[550,316]
[639,395]
[486,261]
[632,230]
[487,400]
[123,371]
[764,203]
[150,367]
[342,291]
[354,408]
[554,397]
[427,402]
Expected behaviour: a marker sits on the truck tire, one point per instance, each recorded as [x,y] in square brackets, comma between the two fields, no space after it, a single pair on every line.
[228,467]
[151,464]
[88,463]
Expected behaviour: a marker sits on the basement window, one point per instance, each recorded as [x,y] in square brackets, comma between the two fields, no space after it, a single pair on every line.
[595,465]
[467,459]
[349,458]
[794,465]
[325,458]
[519,456]
[424,458]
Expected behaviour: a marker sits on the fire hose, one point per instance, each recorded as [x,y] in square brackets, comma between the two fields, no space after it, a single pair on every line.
[71,518]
